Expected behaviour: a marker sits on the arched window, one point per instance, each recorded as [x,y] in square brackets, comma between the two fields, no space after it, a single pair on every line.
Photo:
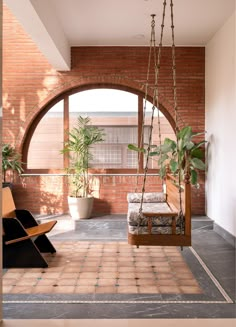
[118,112]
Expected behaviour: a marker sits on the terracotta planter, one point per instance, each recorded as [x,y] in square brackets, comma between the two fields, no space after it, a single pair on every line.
[80,208]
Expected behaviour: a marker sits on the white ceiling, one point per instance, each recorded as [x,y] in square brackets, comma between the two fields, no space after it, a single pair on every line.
[55,25]
[124,22]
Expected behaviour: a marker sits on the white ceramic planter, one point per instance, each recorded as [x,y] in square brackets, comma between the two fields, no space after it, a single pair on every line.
[80,208]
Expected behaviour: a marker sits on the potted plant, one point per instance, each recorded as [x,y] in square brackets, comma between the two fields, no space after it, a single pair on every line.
[11,163]
[179,156]
[79,148]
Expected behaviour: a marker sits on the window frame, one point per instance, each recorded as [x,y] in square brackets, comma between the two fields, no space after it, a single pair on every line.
[65,96]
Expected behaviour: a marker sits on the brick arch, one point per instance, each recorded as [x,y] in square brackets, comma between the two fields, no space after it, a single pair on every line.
[82,84]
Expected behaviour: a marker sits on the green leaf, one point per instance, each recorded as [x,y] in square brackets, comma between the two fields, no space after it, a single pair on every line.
[163,158]
[197,163]
[189,145]
[197,153]
[198,145]
[173,165]
[154,153]
[185,133]
[135,148]
[193,177]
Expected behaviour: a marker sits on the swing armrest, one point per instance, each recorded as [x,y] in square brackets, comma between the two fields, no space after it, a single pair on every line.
[161,213]
[172,213]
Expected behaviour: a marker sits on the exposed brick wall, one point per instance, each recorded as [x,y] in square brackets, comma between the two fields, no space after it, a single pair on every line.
[29,83]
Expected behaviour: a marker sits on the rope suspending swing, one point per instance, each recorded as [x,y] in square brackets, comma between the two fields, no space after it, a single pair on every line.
[149,219]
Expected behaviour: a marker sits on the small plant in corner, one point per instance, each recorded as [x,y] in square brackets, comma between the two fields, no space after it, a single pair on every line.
[11,163]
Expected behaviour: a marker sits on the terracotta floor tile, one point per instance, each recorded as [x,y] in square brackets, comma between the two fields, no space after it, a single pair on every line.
[183,275]
[126,264]
[67,282]
[43,289]
[106,289]
[164,275]
[148,289]
[107,269]
[123,259]
[146,282]
[46,282]
[180,270]
[22,289]
[127,275]
[88,275]
[125,254]
[86,282]
[126,269]
[84,289]
[6,288]
[106,281]
[160,263]
[142,264]
[27,282]
[69,275]
[167,282]
[170,289]
[9,281]
[109,274]
[11,275]
[72,269]
[142,259]
[187,282]
[109,264]
[50,275]
[109,259]
[17,270]
[161,269]
[145,275]
[55,269]
[32,275]
[141,269]
[87,269]
[127,289]
[128,282]
[190,289]
[141,254]
[91,263]
[63,289]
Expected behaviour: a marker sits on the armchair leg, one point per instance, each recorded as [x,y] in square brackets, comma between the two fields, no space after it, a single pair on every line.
[23,254]
[44,245]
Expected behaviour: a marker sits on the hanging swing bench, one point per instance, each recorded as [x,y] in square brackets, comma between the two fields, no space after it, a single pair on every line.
[160,222]
[160,218]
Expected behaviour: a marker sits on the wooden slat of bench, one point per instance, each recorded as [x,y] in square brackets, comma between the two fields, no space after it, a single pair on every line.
[34,231]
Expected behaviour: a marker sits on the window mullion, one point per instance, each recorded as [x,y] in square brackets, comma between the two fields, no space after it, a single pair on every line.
[66,129]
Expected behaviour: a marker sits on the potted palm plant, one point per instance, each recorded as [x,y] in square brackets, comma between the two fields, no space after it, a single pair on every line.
[79,148]
[11,164]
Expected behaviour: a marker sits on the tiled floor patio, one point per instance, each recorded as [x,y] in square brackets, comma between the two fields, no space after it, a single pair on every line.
[93,259]
[111,267]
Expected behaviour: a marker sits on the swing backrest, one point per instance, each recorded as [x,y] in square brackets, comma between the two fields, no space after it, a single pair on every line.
[172,192]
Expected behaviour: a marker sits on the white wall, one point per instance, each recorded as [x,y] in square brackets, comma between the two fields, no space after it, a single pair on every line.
[221,126]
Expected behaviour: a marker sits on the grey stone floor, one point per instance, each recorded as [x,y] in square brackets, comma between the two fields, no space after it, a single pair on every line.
[218,255]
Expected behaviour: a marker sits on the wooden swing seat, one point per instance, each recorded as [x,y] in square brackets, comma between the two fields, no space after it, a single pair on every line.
[23,238]
[160,223]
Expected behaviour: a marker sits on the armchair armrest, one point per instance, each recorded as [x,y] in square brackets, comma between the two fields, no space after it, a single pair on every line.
[13,229]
